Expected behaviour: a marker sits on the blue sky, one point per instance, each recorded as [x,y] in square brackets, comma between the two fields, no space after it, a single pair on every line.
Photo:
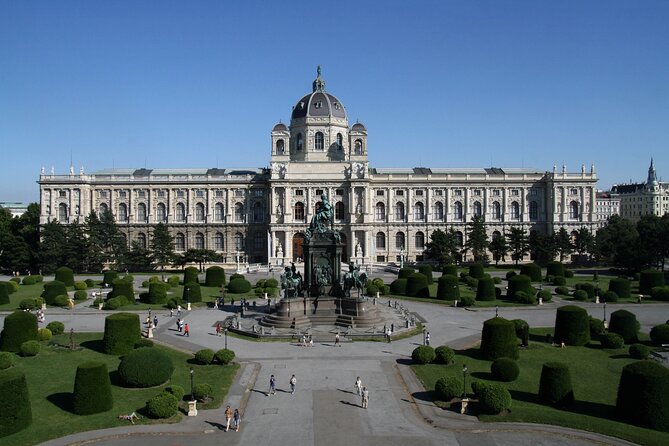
[437,83]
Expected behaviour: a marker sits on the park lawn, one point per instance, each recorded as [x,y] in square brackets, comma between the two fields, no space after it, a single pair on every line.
[50,376]
[464,291]
[595,376]
[24,291]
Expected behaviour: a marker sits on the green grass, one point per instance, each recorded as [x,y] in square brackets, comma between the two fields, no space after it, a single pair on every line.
[50,376]
[23,292]
[595,375]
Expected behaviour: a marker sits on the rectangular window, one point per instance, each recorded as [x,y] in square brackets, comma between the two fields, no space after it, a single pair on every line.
[103,194]
[574,192]
[533,192]
[239,192]
[161,194]
[121,194]
[299,192]
[180,194]
[439,192]
[496,193]
[199,194]
[399,192]
[62,193]
[141,193]
[457,193]
[477,192]
[258,192]
[515,193]
[379,193]
[339,192]
[419,193]
[219,194]
[319,192]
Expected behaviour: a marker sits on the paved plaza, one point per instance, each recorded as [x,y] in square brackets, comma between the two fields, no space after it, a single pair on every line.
[325,410]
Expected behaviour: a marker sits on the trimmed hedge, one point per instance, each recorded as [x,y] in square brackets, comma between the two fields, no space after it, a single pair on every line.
[572,325]
[476,271]
[193,293]
[80,286]
[559,281]
[423,354]
[625,324]
[621,287]
[610,296]
[611,340]
[555,269]
[202,391]
[157,293]
[498,339]
[30,348]
[122,287]
[448,387]
[80,295]
[426,270]
[649,279]
[643,395]
[19,327]
[176,390]
[660,293]
[522,329]
[587,287]
[191,275]
[145,367]
[504,369]
[399,286]
[596,327]
[494,399]
[519,283]
[224,356]
[580,295]
[447,288]
[53,289]
[531,270]
[239,286]
[555,386]
[404,273]
[443,355]
[204,356]
[545,295]
[659,334]
[450,269]
[163,405]
[4,293]
[92,389]
[44,334]
[56,327]
[485,290]
[639,351]
[562,291]
[65,275]
[6,360]
[122,330]
[215,276]
[109,277]
[417,286]
[15,410]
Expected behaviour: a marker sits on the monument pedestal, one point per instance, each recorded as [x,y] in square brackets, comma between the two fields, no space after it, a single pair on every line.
[192,408]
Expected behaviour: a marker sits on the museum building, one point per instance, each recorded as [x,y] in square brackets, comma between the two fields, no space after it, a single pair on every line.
[260,215]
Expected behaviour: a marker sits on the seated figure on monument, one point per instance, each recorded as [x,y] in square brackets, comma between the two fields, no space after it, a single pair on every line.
[322,220]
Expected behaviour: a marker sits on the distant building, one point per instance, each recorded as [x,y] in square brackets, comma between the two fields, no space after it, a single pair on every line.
[607,204]
[15,208]
[649,198]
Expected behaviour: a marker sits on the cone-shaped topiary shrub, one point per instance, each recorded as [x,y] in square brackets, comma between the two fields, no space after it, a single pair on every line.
[191,275]
[476,271]
[92,389]
[494,398]
[504,369]
[555,269]
[498,339]
[423,354]
[121,333]
[426,270]
[404,273]
[19,327]
[145,367]
[485,289]
[215,276]
[224,356]
[239,286]
[643,395]
[15,410]
[417,286]
[448,388]
[572,325]
[53,289]
[555,386]
[163,405]
[649,279]
[193,293]
[399,286]
[531,270]
[65,275]
[122,287]
[4,293]
[443,354]
[157,293]
[659,334]
[519,283]
[108,277]
[448,288]
[625,324]
[620,286]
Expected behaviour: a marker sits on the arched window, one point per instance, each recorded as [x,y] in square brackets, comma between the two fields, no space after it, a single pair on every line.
[399,211]
[419,240]
[400,243]
[298,211]
[358,146]
[340,141]
[179,242]
[62,213]
[239,241]
[459,239]
[339,210]
[239,212]
[457,211]
[380,212]
[418,211]
[258,241]
[478,209]
[574,210]
[180,212]
[141,213]
[161,213]
[380,240]
[515,210]
[299,143]
[141,240]
[496,210]
[439,210]
[534,211]
[199,241]
[279,147]
[258,214]
[122,212]
[199,212]
[218,242]
[318,141]
[103,208]
[219,212]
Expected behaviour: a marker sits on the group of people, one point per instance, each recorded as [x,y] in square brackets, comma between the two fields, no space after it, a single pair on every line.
[183,327]
[232,417]
[272,385]
[362,392]
[307,341]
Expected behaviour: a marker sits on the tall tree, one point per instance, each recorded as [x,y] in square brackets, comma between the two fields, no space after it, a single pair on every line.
[518,243]
[77,250]
[162,247]
[139,258]
[107,235]
[443,247]
[584,242]
[499,248]
[541,247]
[618,243]
[477,239]
[563,244]
[199,256]
[651,240]
[54,239]
[27,227]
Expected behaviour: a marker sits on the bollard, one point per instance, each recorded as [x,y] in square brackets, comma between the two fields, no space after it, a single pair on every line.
[265,296]
[596,299]
[149,334]
[541,301]
[188,306]
[455,303]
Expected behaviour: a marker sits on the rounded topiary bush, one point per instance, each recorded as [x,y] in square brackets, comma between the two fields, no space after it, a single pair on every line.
[649,279]
[80,286]
[404,273]
[519,283]
[90,283]
[531,270]
[61,301]
[30,348]
[239,286]
[572,325]
[568,273]
[92,389]
[643,395]
[525,298]
[596,327]
[202,391]
[6,360]
[29,280]
[555,269]
[621,287]
[53,289]
[589,288]
[476,271]
[448,288]
[447,388]
[625,324]
[426,270]
[80,295]
[449,269]
[504,369]
[191,275]
[610,296]
[19,327]
[659,334]
[176,390]
[423,354]
[545,295]
[417,286]
[4,293]
[485,289]
[559,281]
[443,354]
[65,275]
[122,330]
[498,339]
[562,291]
[466,301]
[122,287]
[108,278]
[639,351]
[580,295]
[398,286]
[145,367]
[371,289]
[15,410]
[157,293]
[555,386]
[44,334]
[56,327]
[611,340]
[163,405]
[660,293]
[215,276]
[272,283]
[494,399]
[204,356]
[224,356]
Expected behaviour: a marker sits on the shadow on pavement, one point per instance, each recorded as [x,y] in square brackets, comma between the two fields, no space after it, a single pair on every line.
[426,395]
[218,426]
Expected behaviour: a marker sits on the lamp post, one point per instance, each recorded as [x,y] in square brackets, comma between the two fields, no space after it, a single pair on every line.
[606,326]
[192,396]
[226,337]
[464,380]
[424,338]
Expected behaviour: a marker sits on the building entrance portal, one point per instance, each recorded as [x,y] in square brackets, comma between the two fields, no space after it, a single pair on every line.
[298,241]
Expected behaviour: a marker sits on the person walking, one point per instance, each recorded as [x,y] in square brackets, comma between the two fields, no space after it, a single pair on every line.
[427,338]
[179,325]
[171,312]
[178,310]
[236,420]
[218,329]
[186,331]
[358,386]
[272,386]
[228,417]
[155,320]
[365,398]
[293,382]
[337,343]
